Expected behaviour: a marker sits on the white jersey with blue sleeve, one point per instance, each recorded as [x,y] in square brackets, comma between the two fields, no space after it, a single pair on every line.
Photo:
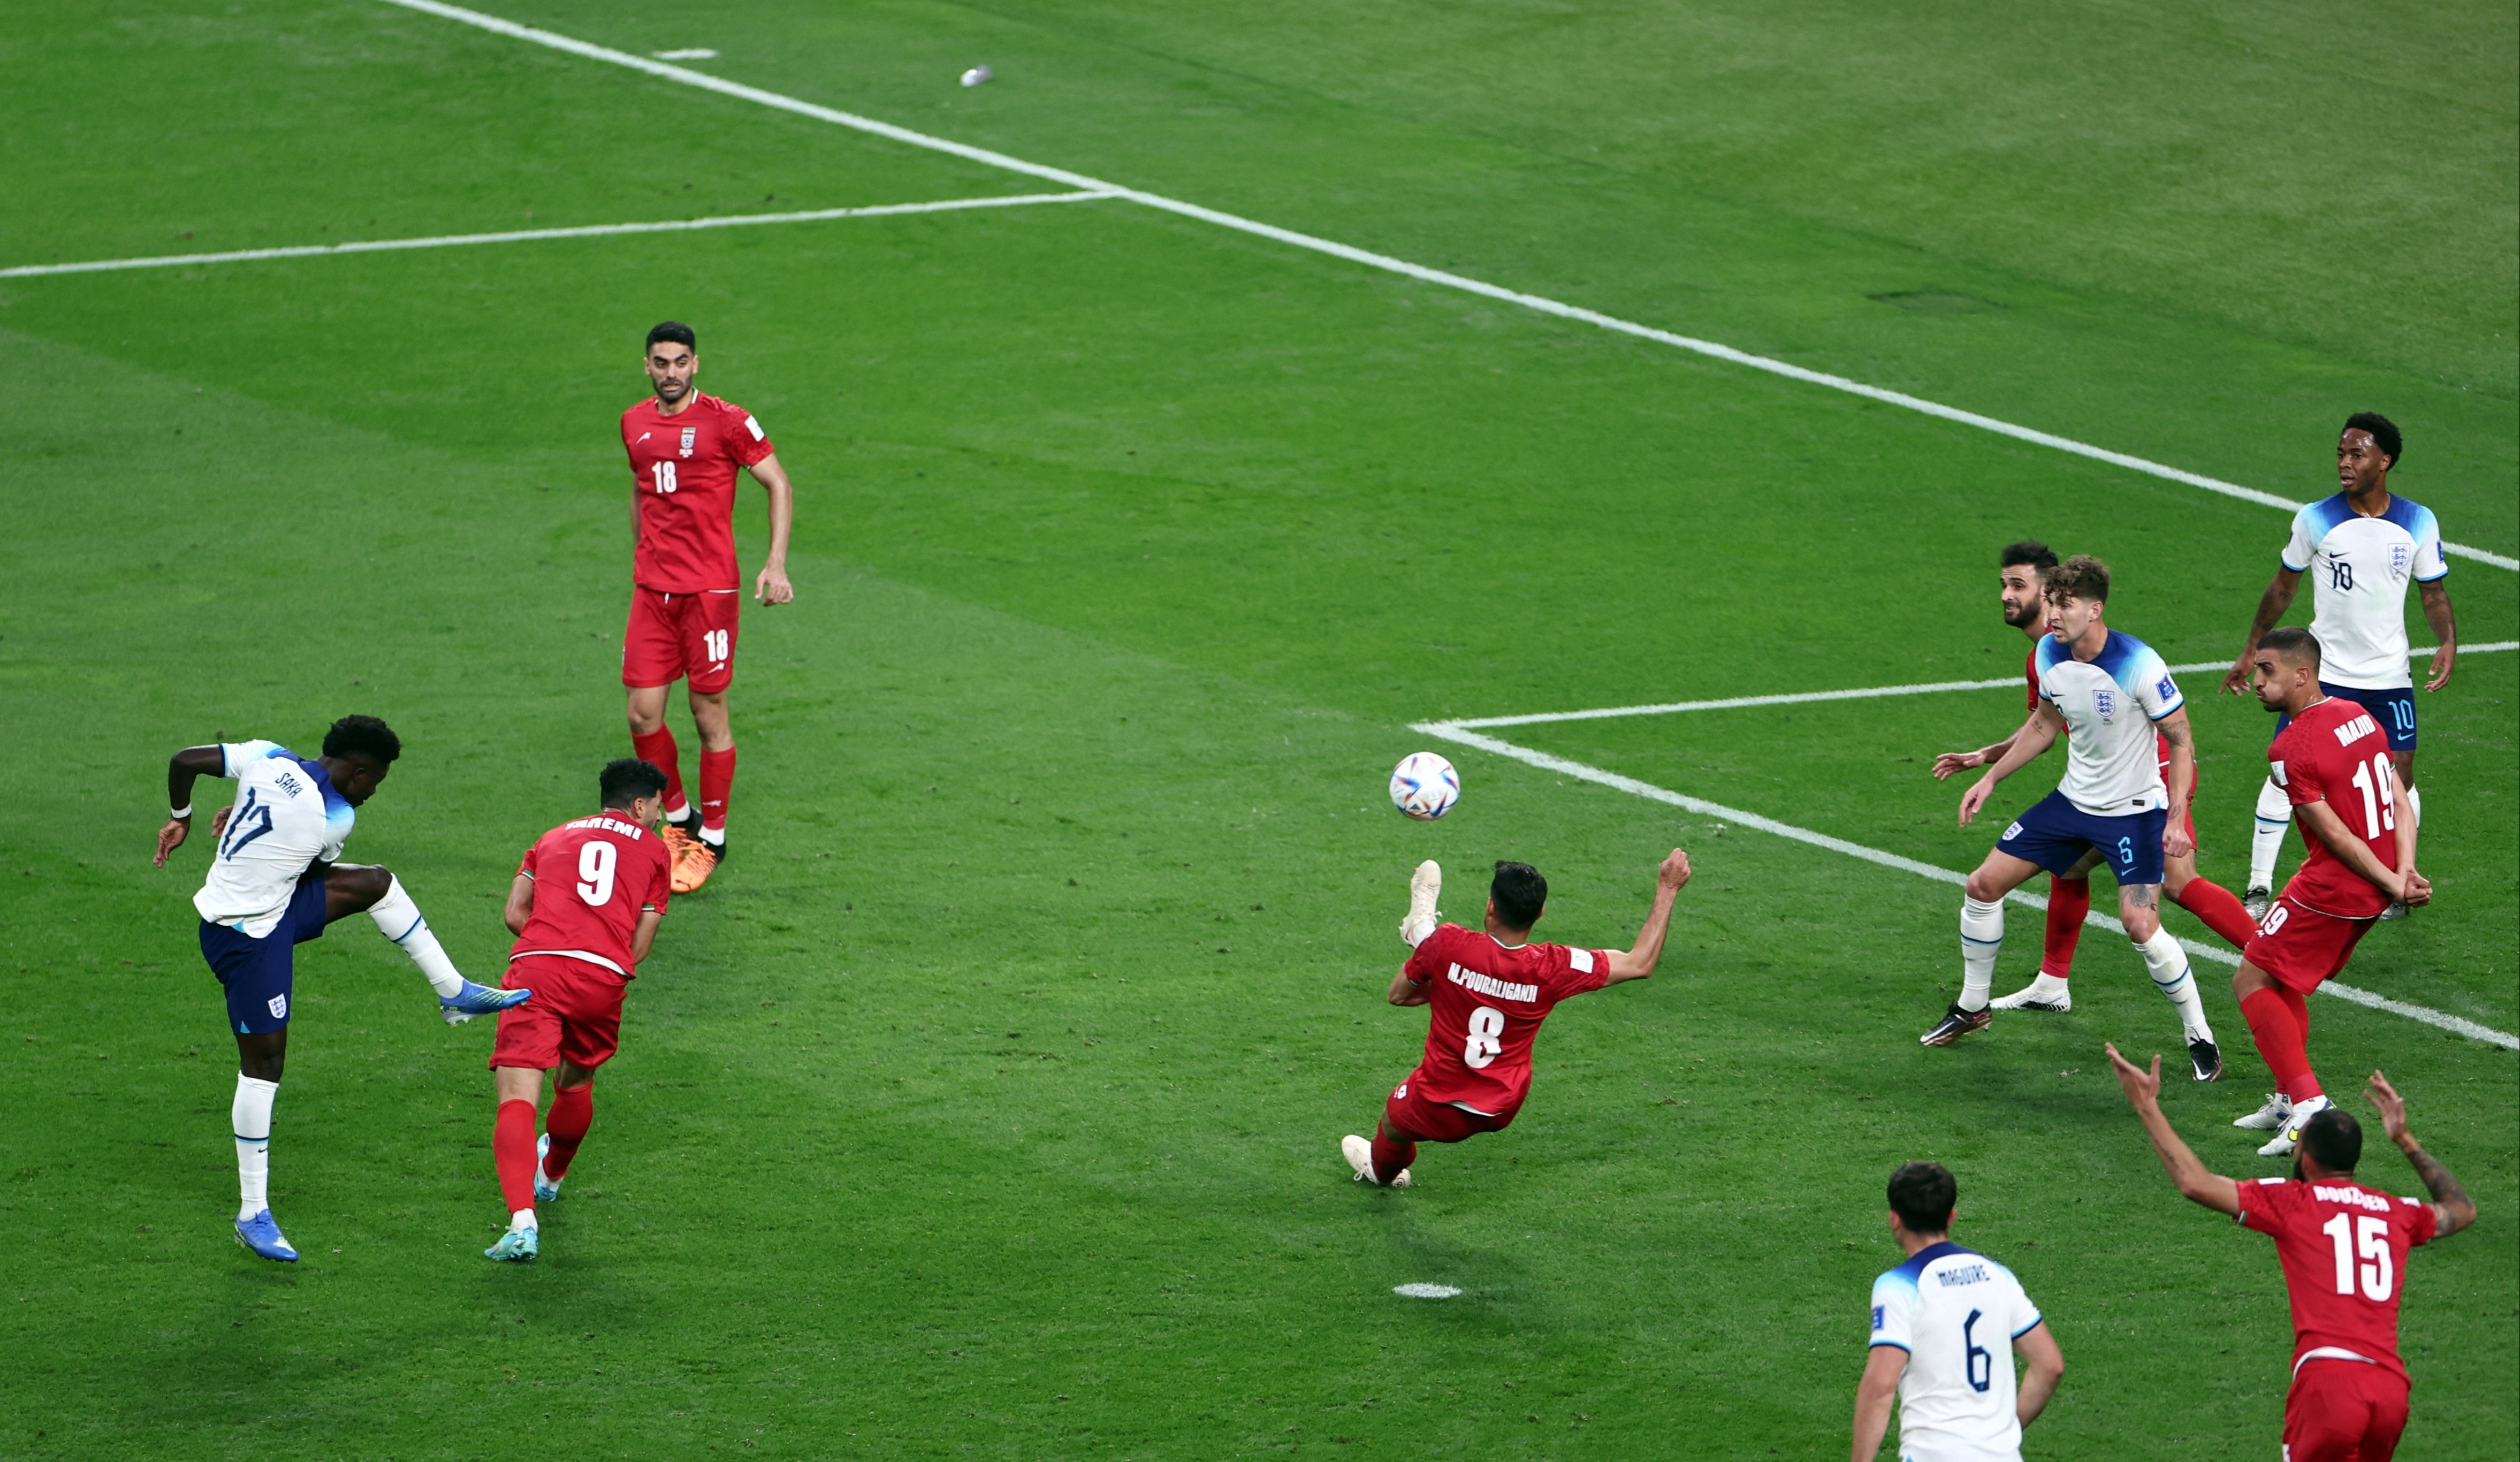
[2109,703]
[1956,1314]
[287,818]
[2358,567]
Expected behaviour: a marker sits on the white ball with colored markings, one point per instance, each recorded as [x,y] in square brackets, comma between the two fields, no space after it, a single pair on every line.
[1425,786]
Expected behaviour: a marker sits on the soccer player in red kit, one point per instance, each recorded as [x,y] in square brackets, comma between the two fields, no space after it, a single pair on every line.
[2343,1247]
[1489,992]
[2333,761]
[584,906]
[685,449]
[2023,569]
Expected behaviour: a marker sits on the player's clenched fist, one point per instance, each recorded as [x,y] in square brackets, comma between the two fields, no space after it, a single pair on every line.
[1674,874]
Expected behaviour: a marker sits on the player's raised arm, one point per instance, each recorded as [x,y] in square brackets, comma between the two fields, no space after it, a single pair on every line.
[2455,1210]
[2196,1184]
[1405,991]
[182,770]
[1638,962]
[2271,608]
[771,586]
[2036,736]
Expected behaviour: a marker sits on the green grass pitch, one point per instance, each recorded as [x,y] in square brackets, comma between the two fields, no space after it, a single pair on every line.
[988,1104]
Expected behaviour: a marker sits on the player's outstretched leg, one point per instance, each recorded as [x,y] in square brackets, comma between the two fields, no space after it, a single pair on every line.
[1395,1159]
[2274,815]
[354,888]
[514,1149]
[1426,886]
[250,1115]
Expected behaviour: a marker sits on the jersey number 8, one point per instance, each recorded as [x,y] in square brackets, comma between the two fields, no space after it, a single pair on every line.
[594,872]
[1487,1025]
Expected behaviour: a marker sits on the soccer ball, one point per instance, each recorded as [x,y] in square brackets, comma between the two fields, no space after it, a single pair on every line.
[1425,786]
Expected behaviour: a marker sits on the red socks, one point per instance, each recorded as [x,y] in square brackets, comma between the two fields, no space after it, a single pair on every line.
[717,778]
[2279,1023]
[2220,909]
[1390,1158]
[658,749]
[512,1143]
[572,1112]
[2068,899]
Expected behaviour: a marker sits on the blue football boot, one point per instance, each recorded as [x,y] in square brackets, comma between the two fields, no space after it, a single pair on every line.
[478,1000]
[262,1234]
[517,1246]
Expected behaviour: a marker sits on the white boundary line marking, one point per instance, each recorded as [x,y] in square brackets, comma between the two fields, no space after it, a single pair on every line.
[1869,693]
[525,236]
[1454,732]
[1546,306]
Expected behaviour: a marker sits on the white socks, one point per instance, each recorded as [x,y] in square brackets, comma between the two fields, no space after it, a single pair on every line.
[2168,963]
[250,1118]
[2415,805]
[522,1218]
[398,919]
[2274,815]
[1981,940]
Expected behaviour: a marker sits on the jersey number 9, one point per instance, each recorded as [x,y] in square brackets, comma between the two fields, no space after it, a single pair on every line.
[594,872]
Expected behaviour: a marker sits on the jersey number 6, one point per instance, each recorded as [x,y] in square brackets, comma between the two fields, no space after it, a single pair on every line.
[1487,1025]
[594,872]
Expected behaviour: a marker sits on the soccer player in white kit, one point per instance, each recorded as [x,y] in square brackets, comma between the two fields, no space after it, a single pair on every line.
[2359,548]
[2107,692]
[1945,1325]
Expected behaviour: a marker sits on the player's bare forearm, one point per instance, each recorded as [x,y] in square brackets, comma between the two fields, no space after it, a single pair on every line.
[2445,628]
[2319,821]
[1405,991]
[2271,608]
[2044,1367]
[2181,737]
[1638,962]
[1873,1397]
[771,586]
[183,769]
[2028,744]
[2196,1183]
[520,904]
[2456,1211]
[644,937]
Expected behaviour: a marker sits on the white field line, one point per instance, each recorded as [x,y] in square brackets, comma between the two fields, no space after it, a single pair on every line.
[1454,730]
[527,235]
[1546,306]
[1869,693]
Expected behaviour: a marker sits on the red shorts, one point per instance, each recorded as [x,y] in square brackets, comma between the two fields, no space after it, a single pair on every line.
[2343,1412]
[2301,946]
[575,1016]
[1436,1120]
[676,636]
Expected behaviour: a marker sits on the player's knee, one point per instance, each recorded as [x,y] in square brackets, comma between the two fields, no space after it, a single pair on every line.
[2141,924]
[1982,887]
[366,883]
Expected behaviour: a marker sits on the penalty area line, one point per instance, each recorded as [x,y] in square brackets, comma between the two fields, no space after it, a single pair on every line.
[1713,349]
[1457,734]
[530,236]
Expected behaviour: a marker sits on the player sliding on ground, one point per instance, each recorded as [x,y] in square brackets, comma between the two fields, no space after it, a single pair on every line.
[686,590]
[275,881]
[1489,992]
[2343,1248]
[2332,762]
[2106,692]
[2023,571]
[584,906]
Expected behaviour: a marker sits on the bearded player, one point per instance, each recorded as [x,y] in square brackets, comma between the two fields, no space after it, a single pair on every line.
[685,449]
[2109,695]
[2023,571]
[2359,548]
[584,908]
[1489,992]
[2333,761]
[2344,1248]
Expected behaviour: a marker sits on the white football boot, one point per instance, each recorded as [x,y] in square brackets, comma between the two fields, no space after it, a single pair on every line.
[2288,1138]
[2047,993]
[1359,1153]
[2268,1118]
[1426,886]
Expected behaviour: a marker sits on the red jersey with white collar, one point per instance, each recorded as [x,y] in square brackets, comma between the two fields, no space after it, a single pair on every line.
[2335,753]
[593,879]
[684,467]
[1486,1004]
[2344,1252]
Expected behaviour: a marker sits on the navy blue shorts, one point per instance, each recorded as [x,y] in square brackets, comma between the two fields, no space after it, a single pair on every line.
[2395,710]
[2055,833]
[260,974]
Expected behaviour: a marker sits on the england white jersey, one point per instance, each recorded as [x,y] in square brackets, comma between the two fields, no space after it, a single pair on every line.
[2109,703]
[2358,567]
[287,818]
[1956,1314]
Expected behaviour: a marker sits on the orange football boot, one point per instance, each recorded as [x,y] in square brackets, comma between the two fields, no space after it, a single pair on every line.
[694,867]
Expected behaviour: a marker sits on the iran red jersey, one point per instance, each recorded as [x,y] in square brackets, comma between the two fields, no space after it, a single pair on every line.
[2160,743]
[2335,753]
[2344,1252]
[1487,1003]
[684,467]
[593,879]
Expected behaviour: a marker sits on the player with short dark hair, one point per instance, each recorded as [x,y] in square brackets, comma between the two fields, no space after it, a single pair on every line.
[1489,992]
[580,942]
[1945,1325]
[276,879]
[2360,548]
[2332,761]
[2344,1250]
[2110,695]
[686,589]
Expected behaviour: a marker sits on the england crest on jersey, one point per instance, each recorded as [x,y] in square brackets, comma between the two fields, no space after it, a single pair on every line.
[2105,701]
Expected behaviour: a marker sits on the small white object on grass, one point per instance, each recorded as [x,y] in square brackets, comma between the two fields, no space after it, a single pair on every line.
[977,75]
[688,53]
[1426,1291]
